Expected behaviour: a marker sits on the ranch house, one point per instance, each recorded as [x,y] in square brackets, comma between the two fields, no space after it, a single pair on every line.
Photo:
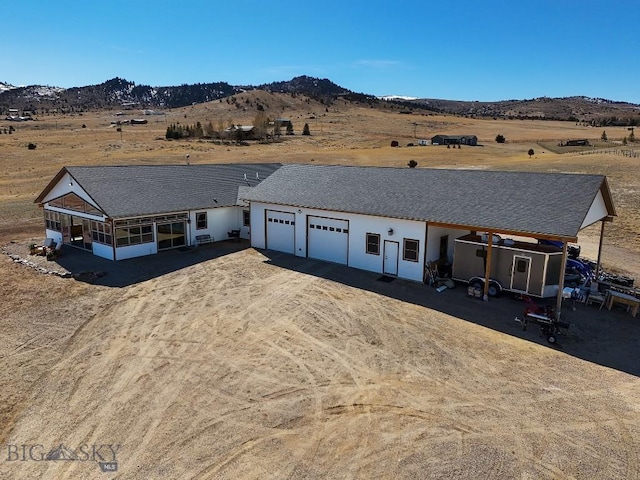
[120,212]
[471,140]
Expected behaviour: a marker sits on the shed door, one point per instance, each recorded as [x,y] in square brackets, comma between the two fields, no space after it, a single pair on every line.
[520,273]
[390,264]
[280,231]
[328,239]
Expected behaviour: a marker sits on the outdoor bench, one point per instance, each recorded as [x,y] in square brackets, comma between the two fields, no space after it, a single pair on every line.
[205,238]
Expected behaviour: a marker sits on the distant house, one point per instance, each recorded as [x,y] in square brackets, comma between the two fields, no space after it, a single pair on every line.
[246,131]
[583,142]
[119,212]
[455,140]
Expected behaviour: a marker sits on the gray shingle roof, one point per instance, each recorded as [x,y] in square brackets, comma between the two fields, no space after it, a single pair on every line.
[134,190]
[549,204]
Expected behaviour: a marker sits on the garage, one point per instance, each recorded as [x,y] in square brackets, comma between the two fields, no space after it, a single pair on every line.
[280,231]
[328,239]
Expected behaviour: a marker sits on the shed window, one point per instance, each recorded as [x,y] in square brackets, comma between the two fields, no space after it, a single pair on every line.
[201,220]
[246,218]
[410,250]
[373,243]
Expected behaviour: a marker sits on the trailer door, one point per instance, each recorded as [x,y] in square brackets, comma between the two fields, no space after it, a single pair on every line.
[520,273]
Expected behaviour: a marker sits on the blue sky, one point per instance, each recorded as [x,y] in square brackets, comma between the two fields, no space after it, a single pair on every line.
[460,50]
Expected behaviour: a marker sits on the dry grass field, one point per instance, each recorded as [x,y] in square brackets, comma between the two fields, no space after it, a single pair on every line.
[240,366]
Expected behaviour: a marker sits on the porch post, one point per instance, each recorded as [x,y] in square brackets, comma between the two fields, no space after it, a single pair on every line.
[561,280]
[487,271]
[600,250]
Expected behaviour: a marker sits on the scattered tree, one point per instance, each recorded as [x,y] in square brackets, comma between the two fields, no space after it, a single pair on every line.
[624,141]
[500,138]
[531,152]
[604,137]
[305,129]
[412,164]
[289,128]
[260,124]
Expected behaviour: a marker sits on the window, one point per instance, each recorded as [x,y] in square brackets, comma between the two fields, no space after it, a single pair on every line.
[373,243]
[134,235]
[71,201]
[52,220]
[201,220]
[246,218]
[101,232]
[410,250]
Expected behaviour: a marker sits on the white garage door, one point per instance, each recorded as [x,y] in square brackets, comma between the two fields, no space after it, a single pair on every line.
[280,227]
[328,239]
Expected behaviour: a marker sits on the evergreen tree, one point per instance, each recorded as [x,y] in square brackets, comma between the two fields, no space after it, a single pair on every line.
[289,128]
[305,130]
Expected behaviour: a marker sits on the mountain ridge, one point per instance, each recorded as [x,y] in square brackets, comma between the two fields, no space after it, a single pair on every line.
[121,93]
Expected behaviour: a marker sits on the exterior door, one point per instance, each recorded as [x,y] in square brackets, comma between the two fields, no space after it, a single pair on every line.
[520,273]
[170,235]
[390,263]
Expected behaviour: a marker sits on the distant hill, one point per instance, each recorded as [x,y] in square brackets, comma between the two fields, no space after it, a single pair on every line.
[578,109]
[119,93]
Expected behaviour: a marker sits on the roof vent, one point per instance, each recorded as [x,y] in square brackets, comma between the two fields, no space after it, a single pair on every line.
[245,176]
[257,176]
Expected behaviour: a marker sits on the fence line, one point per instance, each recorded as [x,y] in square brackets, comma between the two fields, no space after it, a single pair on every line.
[614,151]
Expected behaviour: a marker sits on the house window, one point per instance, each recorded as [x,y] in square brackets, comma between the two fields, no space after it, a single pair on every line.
[201,220]
[246,218]
[373,243]
[134,235]
[410,250]
[52,220]
[101,232]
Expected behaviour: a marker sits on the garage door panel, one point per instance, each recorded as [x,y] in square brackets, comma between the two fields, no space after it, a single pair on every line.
[280,231]
[328,239]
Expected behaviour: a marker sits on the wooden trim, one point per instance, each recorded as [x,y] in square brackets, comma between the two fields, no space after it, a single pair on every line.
[487,271]
[563,267]
[504,231]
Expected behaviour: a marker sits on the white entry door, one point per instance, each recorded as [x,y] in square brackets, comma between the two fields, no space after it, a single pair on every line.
[280,231]
[390,264]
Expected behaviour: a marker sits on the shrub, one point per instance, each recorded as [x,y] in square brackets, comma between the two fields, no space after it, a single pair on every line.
[412,164]
[31,146]
[500,138]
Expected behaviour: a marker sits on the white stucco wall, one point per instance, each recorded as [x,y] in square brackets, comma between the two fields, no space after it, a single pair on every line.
[57,236]
[434,234]
[102,250]
[139,250]
[597,211]
[359,226]
[219,222]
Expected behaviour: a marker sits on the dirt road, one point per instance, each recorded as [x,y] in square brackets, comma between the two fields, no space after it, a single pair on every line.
[238,367]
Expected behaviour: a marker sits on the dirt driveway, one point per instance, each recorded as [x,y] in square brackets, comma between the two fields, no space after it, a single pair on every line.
[251,364]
